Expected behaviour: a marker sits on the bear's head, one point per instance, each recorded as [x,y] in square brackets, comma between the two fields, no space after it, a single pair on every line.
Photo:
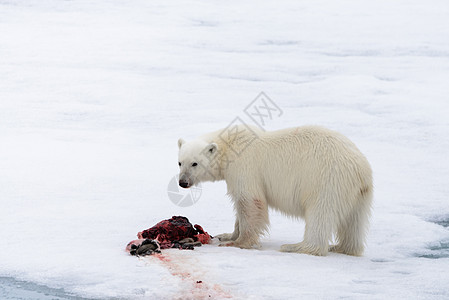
[197,162]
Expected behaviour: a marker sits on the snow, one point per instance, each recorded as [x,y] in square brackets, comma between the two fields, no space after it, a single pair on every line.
[95,94]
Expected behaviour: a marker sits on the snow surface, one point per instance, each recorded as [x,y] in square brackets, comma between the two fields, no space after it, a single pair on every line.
[95,94]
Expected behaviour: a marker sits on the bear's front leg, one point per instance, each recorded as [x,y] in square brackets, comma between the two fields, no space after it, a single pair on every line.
[252,221]
[225,237]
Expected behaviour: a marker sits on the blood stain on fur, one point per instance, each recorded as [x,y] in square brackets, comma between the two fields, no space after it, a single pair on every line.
[258,204]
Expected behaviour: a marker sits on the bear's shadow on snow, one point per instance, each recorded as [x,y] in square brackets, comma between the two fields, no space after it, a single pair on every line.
[437,249]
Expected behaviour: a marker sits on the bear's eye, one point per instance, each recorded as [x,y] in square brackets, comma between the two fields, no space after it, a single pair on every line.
[179,163]
[194,164]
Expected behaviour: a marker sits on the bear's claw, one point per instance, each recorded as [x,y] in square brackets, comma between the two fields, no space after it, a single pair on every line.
[290,248]
[226,244]
[224,237]
[235,244]
[303,248]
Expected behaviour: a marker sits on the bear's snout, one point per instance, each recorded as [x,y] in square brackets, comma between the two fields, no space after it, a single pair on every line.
[184,184]
[185,180]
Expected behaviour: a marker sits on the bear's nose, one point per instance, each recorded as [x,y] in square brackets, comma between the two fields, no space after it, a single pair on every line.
[183,184]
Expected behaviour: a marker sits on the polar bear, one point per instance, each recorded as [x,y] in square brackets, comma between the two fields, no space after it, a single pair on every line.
[309,172]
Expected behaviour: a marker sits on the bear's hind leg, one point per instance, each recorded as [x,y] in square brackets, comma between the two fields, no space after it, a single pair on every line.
[317,234]
[352,231]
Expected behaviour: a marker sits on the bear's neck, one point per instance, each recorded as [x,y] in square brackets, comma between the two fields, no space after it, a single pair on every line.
[231,143]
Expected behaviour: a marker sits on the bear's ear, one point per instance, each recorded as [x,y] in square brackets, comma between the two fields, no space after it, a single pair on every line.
[180,142]
[212,148]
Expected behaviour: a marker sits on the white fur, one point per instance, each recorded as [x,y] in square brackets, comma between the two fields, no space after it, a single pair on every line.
[308,172]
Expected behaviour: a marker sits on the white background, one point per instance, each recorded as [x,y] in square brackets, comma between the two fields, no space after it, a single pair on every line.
[95,94]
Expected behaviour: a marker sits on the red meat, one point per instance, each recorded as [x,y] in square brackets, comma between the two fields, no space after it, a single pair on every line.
[175,229]
[202,235]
